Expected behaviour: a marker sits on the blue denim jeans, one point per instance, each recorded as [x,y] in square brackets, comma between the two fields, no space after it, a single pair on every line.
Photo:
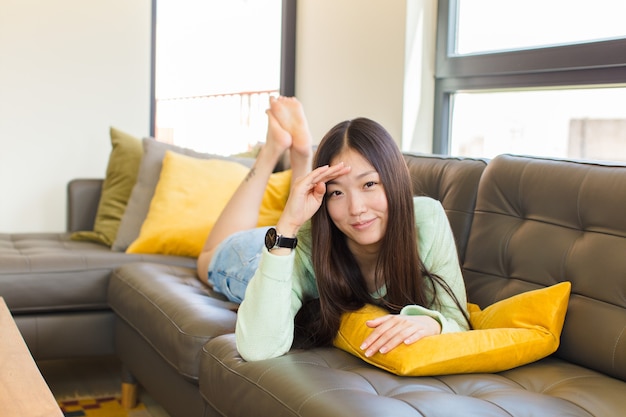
[235,261]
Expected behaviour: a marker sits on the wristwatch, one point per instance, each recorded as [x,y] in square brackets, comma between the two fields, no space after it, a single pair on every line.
[274,240]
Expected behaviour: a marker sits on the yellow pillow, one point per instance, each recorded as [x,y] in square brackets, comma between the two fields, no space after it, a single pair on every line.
[188,199]
[275,198]
[510,333]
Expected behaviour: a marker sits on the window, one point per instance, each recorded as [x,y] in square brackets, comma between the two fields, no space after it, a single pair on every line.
[568,123]
[555,90]
[496,25]
[215,64]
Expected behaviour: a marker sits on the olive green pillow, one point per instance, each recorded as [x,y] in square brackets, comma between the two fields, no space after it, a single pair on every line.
[121,176]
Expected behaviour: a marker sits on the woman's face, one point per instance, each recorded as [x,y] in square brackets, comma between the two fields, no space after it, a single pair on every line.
[357,204]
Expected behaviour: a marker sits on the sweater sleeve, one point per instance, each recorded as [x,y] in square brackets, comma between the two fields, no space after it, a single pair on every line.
[438,252]
[265,320]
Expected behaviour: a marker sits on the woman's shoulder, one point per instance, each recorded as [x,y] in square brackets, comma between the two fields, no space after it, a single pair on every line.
[424,205]
[431,221]
[430,216]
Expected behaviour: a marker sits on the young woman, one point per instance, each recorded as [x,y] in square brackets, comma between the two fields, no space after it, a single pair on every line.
[351,233]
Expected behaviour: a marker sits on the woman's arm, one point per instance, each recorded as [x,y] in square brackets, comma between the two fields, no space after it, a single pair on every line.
[265,320]
[440,257]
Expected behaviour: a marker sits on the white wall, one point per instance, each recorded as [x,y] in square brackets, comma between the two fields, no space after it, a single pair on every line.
[69,69]
[366,58]
[419,76]
[350,62]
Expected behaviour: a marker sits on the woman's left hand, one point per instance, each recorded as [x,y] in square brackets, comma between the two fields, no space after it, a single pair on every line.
[393,330]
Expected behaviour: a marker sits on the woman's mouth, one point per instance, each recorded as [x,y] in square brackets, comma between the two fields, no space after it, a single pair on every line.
[362,224]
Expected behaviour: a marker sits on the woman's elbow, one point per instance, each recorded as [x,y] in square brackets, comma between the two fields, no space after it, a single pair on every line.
[253,354]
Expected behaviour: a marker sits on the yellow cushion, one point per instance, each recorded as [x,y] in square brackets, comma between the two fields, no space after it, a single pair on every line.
[188,199]
[121,176]
[510,333]
[275,198]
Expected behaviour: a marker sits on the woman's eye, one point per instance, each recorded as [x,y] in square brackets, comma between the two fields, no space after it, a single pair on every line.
[334,193]
[370,184]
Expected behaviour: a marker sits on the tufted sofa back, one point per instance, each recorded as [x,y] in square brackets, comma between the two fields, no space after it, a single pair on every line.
[542,221]
[452,181]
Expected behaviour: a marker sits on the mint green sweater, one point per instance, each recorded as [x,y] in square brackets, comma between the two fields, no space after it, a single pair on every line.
[265,321]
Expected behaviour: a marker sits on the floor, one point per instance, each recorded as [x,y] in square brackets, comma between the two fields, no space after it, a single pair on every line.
[90,377]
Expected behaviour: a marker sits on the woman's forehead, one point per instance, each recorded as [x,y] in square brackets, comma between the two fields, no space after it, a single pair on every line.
[351,157]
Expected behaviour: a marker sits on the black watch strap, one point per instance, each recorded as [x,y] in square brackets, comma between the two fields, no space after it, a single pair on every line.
[274,240]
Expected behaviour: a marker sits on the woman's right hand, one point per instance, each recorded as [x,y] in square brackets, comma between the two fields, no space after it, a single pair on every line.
[306,197]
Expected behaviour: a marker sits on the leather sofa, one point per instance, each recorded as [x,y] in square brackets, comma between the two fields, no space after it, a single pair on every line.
[56,288]
[520,223]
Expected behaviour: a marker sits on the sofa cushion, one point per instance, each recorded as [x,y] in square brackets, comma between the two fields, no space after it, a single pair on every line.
[147,179]
[49,272]
[452,181]
[540,221]
[189,198]
[171,310]
[510,333]
[330,382]
[121,175]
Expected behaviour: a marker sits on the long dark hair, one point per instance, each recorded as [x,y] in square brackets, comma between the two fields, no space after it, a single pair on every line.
[399,268]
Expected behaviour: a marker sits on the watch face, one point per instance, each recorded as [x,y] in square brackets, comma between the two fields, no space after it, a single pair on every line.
[270,238]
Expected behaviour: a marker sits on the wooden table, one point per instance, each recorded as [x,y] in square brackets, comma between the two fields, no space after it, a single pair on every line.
[23,391]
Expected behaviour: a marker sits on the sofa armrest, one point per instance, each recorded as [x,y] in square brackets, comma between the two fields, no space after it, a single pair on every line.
[83,196]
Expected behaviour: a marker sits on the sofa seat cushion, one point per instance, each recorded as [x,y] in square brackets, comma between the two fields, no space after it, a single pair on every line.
[330,382]
[171,310]
[48,272]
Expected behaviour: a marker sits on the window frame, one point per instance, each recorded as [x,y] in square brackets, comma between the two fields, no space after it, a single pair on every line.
[287,55]
[597,63]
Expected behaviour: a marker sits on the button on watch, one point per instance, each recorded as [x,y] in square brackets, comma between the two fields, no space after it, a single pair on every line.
[273,240]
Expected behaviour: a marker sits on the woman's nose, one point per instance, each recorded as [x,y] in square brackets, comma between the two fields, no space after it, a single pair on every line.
[357,205]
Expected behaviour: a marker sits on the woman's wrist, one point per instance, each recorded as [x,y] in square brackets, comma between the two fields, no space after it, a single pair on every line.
[282,230]
[287,229]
